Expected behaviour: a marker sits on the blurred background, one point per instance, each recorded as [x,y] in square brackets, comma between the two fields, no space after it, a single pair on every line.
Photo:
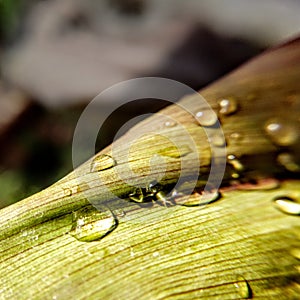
[56,56]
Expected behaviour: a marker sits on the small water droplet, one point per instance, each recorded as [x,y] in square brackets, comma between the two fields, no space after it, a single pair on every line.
[90,224]
[287,205]
[102,162]
[228,106]
[67,192]
[206,117]
[235,175]
[236,137]
[217,140]
[170,124]
[175,152]
[281,133]
[235,163]
[155,254]
[288,162]
[243,288]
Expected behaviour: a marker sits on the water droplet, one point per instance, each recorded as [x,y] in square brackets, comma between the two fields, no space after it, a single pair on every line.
[287,161]
[235,175]
[38,214]
[217,140]
[287,205]
[90,224]
[281,133]
[236,137]
[243,288]
[102,162]
[67,192]
[155,254]
[175,152]
[235,163]
[206,117]
[228,106]
[170,124]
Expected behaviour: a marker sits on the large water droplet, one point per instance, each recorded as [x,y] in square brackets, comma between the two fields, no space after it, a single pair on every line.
[90,224]
[102,162]
[288,162]
[281,132]
[287,205]
[228,106]
[243,288]
[206,117]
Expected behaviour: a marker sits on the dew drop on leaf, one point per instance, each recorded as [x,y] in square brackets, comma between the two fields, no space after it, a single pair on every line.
[243,288]
[287,161]
[90,224]
[169,124]
[236,137]
[281,132]
[102,162]
[287,205]
[67,192]
[228,106]
[217,140]
[206,117]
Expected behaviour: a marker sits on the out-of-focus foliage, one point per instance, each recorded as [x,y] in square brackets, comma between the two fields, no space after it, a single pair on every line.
[9,18]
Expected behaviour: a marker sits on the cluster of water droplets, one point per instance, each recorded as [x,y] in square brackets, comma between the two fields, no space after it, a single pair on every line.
[281,133]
